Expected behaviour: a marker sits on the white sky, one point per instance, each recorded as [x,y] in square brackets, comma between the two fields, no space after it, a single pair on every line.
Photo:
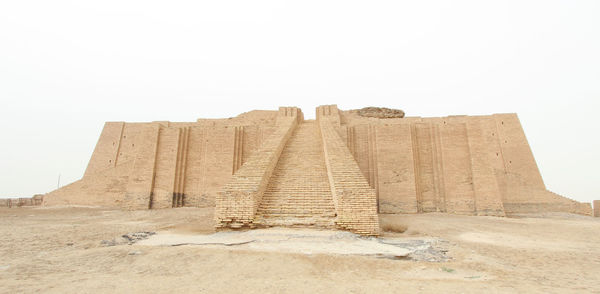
[66,67]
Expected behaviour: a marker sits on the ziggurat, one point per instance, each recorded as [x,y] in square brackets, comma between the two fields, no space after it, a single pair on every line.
[273,168]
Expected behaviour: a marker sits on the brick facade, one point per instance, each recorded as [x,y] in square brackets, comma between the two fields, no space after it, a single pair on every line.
[268,168]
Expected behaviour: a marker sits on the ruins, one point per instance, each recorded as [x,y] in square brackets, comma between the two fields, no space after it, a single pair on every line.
[274,168]
[36,200]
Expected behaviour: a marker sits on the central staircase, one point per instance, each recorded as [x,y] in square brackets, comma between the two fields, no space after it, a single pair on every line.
[298,193]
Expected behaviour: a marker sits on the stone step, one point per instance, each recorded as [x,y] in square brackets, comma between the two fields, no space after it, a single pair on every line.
[276,214]
[288,190]
[299,216]
[285,197]
[298,222]
[294,201]
[271,206]
[296,196]
[280,201]
[266,212]
[298,193]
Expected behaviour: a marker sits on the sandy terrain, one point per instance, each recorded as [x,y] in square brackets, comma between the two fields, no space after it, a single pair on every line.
[61,250]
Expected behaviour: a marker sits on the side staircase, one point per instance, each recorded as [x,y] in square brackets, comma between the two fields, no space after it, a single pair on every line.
[298,193]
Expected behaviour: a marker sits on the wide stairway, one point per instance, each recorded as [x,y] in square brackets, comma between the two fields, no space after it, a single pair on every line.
[298,193]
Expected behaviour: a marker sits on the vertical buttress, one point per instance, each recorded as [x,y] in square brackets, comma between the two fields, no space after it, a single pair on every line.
[182,151]
[238,148]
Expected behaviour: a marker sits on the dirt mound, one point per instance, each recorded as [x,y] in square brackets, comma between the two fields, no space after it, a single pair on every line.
[381,112]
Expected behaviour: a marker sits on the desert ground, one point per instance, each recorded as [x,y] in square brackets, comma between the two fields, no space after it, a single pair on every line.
[81,250]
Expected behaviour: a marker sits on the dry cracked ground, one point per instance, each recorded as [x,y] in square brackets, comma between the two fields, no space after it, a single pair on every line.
[95,250]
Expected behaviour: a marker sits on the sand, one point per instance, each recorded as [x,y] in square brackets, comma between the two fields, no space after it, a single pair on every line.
[60,250]
[295,240]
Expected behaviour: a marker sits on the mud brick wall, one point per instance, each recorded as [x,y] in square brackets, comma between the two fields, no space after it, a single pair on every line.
[395,168]
[476,165]
[19,202]
[166,164]
[355,201]
[237,203]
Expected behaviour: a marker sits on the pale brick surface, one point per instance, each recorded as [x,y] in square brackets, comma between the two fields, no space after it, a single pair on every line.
[266,168]
[239,200]
[478,165]
[298,193]
[166,164]
[355,201]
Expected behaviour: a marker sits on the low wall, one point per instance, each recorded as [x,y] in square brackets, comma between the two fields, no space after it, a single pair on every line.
[531,200]
[597,208]
[19,202]
[355,201]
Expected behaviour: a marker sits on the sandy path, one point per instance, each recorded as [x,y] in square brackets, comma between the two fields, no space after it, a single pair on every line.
[60,251]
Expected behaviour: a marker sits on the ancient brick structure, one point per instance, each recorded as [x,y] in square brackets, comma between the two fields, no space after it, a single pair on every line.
[597,208]
[19,202]
[270,168]
[475,165]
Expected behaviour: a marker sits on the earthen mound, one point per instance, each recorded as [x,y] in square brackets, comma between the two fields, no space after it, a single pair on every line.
[381,112]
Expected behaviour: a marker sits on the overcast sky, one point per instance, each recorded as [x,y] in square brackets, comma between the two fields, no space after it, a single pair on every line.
[66,67]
